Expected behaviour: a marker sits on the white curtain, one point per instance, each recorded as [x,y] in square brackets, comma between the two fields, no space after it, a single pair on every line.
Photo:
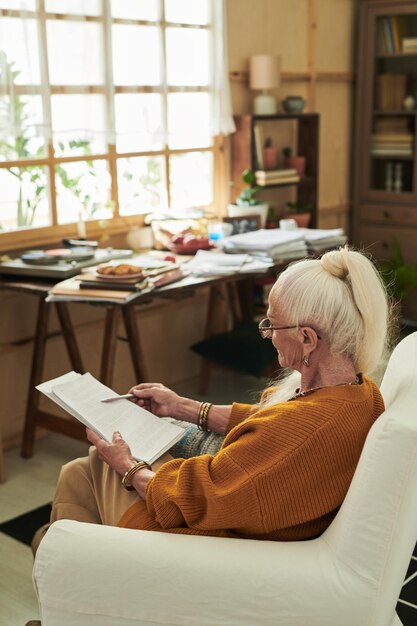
[29,65]
[222,117]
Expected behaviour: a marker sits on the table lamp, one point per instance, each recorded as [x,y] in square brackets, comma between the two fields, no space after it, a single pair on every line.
[264,72]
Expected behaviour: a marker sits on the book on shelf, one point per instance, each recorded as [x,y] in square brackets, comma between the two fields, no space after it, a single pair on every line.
[289,171]
[274,177]
[259,143]
[390,91]
[81,395]
[391,152]
[281,180]
[409,44]
[391,125]
[390,34]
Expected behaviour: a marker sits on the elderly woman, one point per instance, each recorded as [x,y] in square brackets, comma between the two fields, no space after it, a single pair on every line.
[285,464]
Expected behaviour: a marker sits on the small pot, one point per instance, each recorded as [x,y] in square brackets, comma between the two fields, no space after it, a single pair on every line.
[293,104]
[296,162]
[270,156]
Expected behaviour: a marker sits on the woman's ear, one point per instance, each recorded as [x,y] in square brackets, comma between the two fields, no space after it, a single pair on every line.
[309,337]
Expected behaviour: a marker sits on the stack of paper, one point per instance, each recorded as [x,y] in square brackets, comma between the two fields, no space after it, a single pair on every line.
[318,240]
[148,436]
[273,243]
[206,263]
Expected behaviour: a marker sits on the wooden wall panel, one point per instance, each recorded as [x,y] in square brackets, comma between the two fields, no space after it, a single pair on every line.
[315,39]
[333,103]
[334,42]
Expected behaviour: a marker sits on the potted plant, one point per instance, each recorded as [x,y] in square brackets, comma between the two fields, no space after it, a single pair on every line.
[270,155]
[399,277]
[300,212]
[296,162]
[246,202]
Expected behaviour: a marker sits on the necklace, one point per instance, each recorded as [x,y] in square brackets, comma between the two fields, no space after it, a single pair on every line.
[300,394]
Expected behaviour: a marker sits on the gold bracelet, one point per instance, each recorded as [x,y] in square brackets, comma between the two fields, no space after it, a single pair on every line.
[203,415]
[132,470]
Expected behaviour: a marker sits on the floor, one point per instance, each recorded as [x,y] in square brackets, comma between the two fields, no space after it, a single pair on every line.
[30,483]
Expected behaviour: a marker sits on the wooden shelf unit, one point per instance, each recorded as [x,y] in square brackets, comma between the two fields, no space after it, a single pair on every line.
[385,143]
[306,144]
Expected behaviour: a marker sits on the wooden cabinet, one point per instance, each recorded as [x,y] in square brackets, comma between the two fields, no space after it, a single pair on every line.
[299,132]
[385,164]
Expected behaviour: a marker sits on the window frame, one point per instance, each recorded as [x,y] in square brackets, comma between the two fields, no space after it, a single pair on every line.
[38,236]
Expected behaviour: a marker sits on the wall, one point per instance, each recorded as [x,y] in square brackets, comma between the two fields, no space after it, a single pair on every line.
[314,39]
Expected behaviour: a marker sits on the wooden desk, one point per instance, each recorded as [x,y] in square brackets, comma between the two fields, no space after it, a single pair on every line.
[34,416]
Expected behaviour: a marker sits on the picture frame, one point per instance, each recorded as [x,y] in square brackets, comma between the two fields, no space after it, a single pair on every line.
[244,223]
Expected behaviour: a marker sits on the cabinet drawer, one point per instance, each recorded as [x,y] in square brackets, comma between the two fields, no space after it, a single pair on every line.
[390,214]
[378,240]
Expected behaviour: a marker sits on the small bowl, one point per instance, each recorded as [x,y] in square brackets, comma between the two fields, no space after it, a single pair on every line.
[293,104]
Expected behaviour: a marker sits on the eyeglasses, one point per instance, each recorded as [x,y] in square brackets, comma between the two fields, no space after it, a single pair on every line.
[266,329]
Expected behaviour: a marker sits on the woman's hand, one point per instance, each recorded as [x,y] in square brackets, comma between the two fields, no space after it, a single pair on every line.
[157,399]
[164,402]
[117,454]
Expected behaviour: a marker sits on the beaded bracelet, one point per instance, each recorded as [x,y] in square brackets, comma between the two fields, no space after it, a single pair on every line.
[132,470]
[203,415]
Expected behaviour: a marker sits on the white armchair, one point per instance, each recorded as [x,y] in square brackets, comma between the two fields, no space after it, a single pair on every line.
[350,576]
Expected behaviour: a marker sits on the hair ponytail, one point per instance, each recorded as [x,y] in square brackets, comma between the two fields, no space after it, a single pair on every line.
[343,295]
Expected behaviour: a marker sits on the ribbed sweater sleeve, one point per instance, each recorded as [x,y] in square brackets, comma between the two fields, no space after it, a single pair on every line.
[239,413]
[282,472]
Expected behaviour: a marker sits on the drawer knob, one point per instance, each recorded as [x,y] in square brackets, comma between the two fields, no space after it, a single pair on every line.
[387,214]
[385,245]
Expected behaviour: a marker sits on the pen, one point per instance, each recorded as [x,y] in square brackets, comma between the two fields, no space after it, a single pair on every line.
[126,395]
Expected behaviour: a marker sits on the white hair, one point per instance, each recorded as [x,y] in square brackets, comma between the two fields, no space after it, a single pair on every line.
[342,296]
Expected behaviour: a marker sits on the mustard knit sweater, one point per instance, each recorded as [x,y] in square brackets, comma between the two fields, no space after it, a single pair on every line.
[282,472]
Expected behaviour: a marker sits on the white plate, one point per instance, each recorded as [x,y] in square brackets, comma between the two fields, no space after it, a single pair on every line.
[116,277]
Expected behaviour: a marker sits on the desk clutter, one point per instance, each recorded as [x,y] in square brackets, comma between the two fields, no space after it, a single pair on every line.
[119,282]
[59,263]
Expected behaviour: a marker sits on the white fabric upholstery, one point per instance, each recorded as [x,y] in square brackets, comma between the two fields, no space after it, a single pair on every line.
[350,576]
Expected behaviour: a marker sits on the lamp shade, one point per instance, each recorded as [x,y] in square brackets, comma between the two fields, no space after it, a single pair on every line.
[264,71]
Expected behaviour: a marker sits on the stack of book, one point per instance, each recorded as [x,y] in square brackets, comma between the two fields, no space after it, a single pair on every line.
[392,137]
[276,177]
[390,91]
[409,44]
[392,144]
[391,30]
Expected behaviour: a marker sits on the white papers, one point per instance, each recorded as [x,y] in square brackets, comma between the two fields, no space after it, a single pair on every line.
[206,263]
[319,240]
[272,242]
[278,244]
[80,394]
[317,234]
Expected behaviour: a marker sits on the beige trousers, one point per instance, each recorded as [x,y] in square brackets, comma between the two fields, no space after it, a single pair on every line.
[88,490]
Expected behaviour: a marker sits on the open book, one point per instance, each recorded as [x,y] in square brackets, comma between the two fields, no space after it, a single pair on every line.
[148,436]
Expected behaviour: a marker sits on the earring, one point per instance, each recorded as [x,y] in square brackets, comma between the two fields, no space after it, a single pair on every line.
[306,361]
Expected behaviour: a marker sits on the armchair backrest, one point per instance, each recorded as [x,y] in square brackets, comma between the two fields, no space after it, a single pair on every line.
[375,530]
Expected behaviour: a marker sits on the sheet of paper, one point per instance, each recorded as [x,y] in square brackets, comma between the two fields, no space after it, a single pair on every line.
[147,435]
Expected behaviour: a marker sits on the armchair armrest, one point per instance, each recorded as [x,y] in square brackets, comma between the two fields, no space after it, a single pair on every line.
[89,574]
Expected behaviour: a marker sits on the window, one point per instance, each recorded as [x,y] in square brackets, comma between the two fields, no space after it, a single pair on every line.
[106,111]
